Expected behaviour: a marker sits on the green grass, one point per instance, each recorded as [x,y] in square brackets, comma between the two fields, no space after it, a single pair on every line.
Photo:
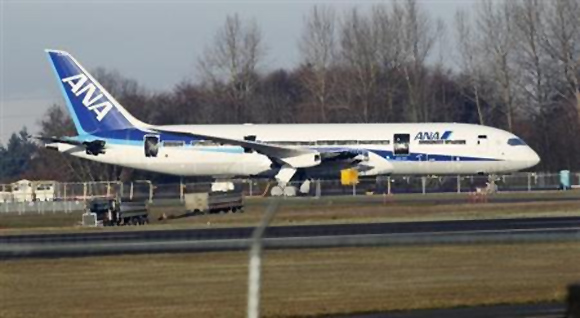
[296,283]
[46,220]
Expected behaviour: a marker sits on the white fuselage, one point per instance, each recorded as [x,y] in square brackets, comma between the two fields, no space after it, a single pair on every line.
[431,148]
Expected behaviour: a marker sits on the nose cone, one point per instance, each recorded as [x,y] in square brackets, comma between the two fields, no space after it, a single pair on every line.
[532,158]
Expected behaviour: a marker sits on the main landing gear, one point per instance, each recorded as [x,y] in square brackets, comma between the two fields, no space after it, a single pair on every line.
[283,188]
[283,177]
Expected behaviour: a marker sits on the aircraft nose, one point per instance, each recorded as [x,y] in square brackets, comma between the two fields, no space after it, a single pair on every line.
[532,158]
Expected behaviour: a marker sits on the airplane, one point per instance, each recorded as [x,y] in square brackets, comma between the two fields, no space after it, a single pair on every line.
[108,133]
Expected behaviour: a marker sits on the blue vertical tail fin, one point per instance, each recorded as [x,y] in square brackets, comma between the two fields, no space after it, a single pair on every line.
[92,108]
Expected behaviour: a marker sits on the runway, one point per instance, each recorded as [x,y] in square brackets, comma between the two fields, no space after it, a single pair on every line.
[280,237]
[548,310]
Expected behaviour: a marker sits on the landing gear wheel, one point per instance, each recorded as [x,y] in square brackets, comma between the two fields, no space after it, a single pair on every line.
[277,191]
[290,191]
[305,186]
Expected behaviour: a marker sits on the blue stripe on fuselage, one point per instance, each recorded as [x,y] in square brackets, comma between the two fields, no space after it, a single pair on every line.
[133,136]
[417,156]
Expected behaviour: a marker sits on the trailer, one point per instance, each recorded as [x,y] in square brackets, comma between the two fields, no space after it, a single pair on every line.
[214,202]
[44,191]
[22,191]
[112,212]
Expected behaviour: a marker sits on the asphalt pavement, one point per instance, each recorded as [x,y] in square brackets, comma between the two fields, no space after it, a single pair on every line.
[279,237]
[316,236]
[548,310]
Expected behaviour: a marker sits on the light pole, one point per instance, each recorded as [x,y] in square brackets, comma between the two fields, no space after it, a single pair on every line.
[254,279]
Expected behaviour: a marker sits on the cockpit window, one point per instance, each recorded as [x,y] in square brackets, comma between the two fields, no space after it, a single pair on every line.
[516,142]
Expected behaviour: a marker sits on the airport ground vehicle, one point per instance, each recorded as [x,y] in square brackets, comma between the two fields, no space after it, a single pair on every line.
[111,212]
[214,202]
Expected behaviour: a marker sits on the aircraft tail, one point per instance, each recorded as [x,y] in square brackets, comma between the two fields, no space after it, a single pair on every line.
[92,108]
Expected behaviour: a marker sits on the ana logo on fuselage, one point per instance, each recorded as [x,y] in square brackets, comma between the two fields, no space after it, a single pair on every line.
[430,135]
[77,85]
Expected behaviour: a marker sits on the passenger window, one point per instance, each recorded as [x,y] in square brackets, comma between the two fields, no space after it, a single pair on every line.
[171,143]
[401,145]
[326,142]
[373,142]
[203,143]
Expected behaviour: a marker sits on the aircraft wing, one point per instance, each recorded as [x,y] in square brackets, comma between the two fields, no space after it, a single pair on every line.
[269,150]
[296,157]
[335,154]
[277,151]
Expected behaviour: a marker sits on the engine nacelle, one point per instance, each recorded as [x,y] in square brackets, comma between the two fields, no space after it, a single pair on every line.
[303,161]
[374,166]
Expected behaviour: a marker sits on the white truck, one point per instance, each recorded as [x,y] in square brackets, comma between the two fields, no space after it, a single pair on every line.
[22,191]
[44,191]
[214,202]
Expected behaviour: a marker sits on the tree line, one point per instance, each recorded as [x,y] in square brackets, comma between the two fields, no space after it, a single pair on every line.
[514,65]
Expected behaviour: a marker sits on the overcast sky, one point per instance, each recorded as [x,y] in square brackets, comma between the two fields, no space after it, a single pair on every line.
[155,42]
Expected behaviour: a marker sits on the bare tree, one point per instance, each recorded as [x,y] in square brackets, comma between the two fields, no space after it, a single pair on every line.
[536,76]
[470,58]
[318,49]
[496,24]
[563,44]
[233,60]
[126,90]
[359,51]
[420,33]
[387,23]
[532,58]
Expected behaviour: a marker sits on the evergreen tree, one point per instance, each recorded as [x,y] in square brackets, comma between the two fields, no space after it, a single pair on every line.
[15,158]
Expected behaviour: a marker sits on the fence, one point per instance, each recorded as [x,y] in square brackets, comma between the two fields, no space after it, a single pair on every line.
[42,207]
[71,196]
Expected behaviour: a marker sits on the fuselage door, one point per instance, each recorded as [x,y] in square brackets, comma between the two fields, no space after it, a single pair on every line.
[249,138]
[482,141]
[151,145]
[401,144]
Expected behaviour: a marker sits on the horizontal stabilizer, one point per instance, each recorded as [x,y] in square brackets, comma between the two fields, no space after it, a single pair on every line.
[94,147]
